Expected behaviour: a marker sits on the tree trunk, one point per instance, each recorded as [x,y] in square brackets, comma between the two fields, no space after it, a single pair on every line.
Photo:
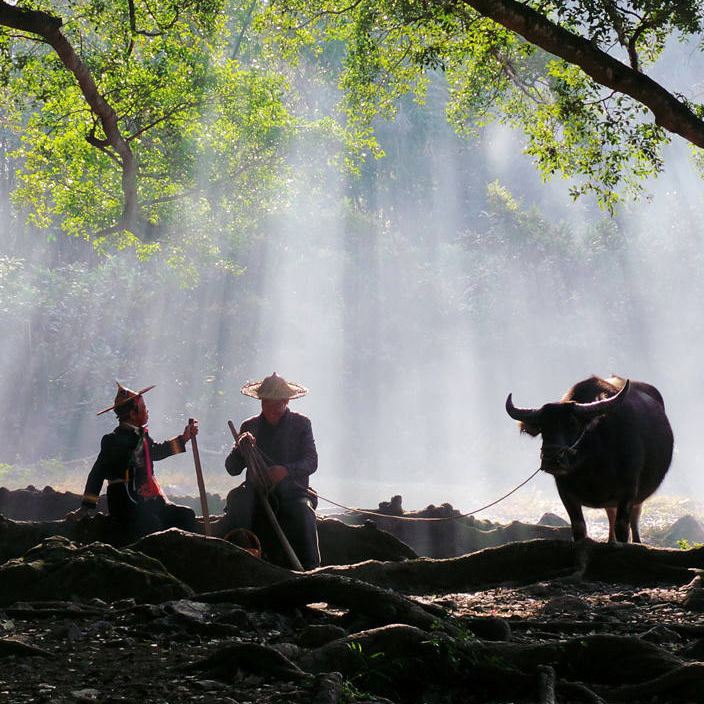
[48,28]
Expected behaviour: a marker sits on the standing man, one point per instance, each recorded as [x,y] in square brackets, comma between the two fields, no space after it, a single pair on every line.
[285,440]
[126,462]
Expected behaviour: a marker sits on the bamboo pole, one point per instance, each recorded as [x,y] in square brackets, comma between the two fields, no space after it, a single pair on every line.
[201,485]
[259,479]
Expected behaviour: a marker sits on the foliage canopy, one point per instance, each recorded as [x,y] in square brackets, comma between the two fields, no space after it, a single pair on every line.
[571,75]
[131,120]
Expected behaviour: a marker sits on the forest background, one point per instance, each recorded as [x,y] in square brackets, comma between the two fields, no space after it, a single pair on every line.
[406,207]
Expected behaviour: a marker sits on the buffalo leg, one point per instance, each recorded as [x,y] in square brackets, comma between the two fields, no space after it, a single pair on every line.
[622,521]
[574,511]
[635,517]
[611,515]
[579,525]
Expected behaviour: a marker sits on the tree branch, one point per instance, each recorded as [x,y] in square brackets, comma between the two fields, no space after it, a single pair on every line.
[670,113]
[48,28]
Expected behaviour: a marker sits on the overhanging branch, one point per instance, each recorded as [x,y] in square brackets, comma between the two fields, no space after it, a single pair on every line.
[669,112]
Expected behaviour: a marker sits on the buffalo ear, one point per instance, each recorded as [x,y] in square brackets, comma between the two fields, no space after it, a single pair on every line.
[532,430]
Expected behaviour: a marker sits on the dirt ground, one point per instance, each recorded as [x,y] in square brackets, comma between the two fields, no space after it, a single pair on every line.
[220,653]
[129,653]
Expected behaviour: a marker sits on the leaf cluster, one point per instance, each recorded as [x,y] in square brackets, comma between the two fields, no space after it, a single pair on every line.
[207,131]
[574,127]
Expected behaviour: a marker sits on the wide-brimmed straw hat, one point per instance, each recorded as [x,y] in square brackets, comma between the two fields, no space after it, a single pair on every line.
[124,395]
[274,387]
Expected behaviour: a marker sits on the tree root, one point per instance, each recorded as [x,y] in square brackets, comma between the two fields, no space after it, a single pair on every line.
[380,605]
[546,684]
[689,677]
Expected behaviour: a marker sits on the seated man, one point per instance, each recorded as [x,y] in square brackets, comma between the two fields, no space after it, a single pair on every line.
[284,442]
[126,462]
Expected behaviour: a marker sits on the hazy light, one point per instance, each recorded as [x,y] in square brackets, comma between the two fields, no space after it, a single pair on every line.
[407,377]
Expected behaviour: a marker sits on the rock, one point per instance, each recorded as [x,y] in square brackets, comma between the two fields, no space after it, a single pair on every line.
[342,544]
[329,688]
[687,528]
[16,537]
[552,519]
[694,651]
[60,569]
[385,534]
[236,617]
[19,649]
[30,504]
[441,531]
[566,606]
[489,628]
[694,594]
[229,661]
[661,634]
[393,507]
[189,611]
[315,635]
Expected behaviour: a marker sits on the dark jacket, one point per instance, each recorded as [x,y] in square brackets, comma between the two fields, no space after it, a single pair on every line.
[289,443]
[122,459]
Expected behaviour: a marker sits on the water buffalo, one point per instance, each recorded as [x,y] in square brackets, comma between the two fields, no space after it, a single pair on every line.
[608,444]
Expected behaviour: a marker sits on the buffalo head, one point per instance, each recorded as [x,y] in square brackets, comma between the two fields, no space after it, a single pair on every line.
[564,426]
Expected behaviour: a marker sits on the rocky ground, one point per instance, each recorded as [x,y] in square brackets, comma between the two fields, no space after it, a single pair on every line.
[123,652]
[356,635]
[179,618]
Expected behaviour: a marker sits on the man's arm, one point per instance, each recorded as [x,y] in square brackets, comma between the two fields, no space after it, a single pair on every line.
[306,461]
[162,450]
[235,462]
[111,463]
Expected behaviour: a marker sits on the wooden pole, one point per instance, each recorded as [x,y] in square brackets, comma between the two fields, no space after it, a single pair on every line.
[258,482]
[201,485]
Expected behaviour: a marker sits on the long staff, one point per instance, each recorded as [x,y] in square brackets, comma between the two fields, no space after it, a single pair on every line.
[258,467]
[201,485]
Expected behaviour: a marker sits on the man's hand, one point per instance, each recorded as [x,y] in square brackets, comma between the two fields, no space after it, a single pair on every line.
[246,442]
[276,473]
[81,513]
[190,430]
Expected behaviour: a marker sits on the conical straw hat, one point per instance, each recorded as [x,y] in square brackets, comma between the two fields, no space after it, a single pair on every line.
[123,396]
[274,387]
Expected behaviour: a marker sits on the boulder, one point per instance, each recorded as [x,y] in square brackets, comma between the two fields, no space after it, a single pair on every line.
[16,537]
[552,519]
[687,528]
[441,531]
[342,544]
[339,543]
[386,533]
[31,504]
[58,569]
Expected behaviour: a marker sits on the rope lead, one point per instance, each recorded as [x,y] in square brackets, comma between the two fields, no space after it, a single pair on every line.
[420,518]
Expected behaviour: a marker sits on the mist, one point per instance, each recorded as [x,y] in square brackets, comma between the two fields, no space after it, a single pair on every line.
[409,328]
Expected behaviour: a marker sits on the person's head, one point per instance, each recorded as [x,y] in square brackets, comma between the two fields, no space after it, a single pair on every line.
[133,412]
[129,406]
[273,409]
[275,393]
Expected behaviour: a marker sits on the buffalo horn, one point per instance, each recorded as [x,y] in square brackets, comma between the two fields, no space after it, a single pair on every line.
[596,408]
[525,415]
